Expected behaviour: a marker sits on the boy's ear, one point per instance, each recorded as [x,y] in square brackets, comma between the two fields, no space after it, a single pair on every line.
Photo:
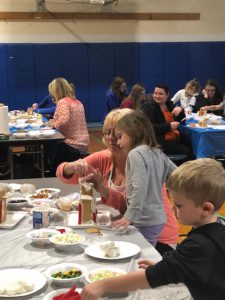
[207,208]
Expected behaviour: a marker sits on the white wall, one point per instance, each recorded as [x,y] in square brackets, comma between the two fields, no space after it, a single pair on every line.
[210,27]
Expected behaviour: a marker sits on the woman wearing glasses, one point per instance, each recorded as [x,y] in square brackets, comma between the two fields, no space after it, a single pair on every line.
[107,171]
[210,95]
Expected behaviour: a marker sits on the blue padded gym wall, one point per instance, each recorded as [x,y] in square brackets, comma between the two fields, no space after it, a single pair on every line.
[27,69]
[4,75]
[21,75]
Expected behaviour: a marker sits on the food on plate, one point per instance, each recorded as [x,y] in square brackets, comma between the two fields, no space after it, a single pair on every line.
[85,211]
[201,112]
[70,294]
[92,230]
[17,201]
[64,204]
[72,273]
[110,250]
[42,235]
[86,188]
[15,287]
[40,195]
[67,238]
[103,274]
[87,205]
[192,125]
[203,123]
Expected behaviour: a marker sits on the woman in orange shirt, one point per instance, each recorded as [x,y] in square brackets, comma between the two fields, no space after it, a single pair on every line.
[165,119]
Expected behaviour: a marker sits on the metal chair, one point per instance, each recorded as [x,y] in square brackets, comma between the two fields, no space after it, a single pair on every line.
[178,159]
[36,151]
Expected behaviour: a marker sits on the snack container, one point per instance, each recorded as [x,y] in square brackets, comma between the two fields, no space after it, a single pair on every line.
[41,217]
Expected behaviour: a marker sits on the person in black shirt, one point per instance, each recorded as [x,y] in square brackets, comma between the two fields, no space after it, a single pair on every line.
[210,95]
[198,190]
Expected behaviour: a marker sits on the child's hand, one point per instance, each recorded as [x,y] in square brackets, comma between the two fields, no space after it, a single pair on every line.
[145,263]
[123,222]
[92,291]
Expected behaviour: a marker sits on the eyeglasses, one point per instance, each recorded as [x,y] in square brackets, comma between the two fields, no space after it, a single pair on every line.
[208,90]
[109,132]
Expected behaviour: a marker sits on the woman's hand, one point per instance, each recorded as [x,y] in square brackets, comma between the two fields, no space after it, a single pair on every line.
[145,263]
[95,177]
[177,110]
[205,93]
[174,125]
[123,222]
[50,123]
[92,291]
[35,105]
[78,167]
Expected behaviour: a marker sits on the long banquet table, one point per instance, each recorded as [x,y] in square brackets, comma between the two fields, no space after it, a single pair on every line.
[17,251]
[206,142]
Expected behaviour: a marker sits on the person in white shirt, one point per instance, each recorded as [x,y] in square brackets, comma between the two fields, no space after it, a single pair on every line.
[186,97]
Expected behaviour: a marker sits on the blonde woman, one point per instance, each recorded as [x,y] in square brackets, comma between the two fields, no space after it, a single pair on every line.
[106,169]
[69,118]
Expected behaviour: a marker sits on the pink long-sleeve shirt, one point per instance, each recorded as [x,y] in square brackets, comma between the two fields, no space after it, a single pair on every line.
[69,118]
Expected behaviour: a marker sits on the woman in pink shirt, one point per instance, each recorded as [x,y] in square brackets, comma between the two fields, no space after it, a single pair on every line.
[107,172]
[69,118]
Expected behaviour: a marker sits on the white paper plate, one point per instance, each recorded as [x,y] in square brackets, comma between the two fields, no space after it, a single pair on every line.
[48,132]
[15,186]
[52,294]
[20,135]
[126,250]
[27,275]
[13,218]
[219,127]
[34,133]
[72,221]
[102,270]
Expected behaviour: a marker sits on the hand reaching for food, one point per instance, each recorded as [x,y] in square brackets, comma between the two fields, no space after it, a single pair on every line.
[145,263]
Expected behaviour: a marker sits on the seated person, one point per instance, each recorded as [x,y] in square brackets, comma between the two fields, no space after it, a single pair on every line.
[186,97]
[217,107]
[69,118]
[116,94]
[198,191]
[165,119]
[46,107]
[210,95]
[136,96]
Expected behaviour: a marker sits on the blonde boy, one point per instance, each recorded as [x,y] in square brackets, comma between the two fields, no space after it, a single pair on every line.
[198,191]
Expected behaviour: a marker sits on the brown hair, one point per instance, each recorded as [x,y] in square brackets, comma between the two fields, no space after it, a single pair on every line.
[138,127]
[201,180]
[135,95]
[60,88]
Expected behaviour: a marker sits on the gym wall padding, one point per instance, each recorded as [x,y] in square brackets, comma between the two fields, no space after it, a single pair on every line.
[27,69]
[4,75]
